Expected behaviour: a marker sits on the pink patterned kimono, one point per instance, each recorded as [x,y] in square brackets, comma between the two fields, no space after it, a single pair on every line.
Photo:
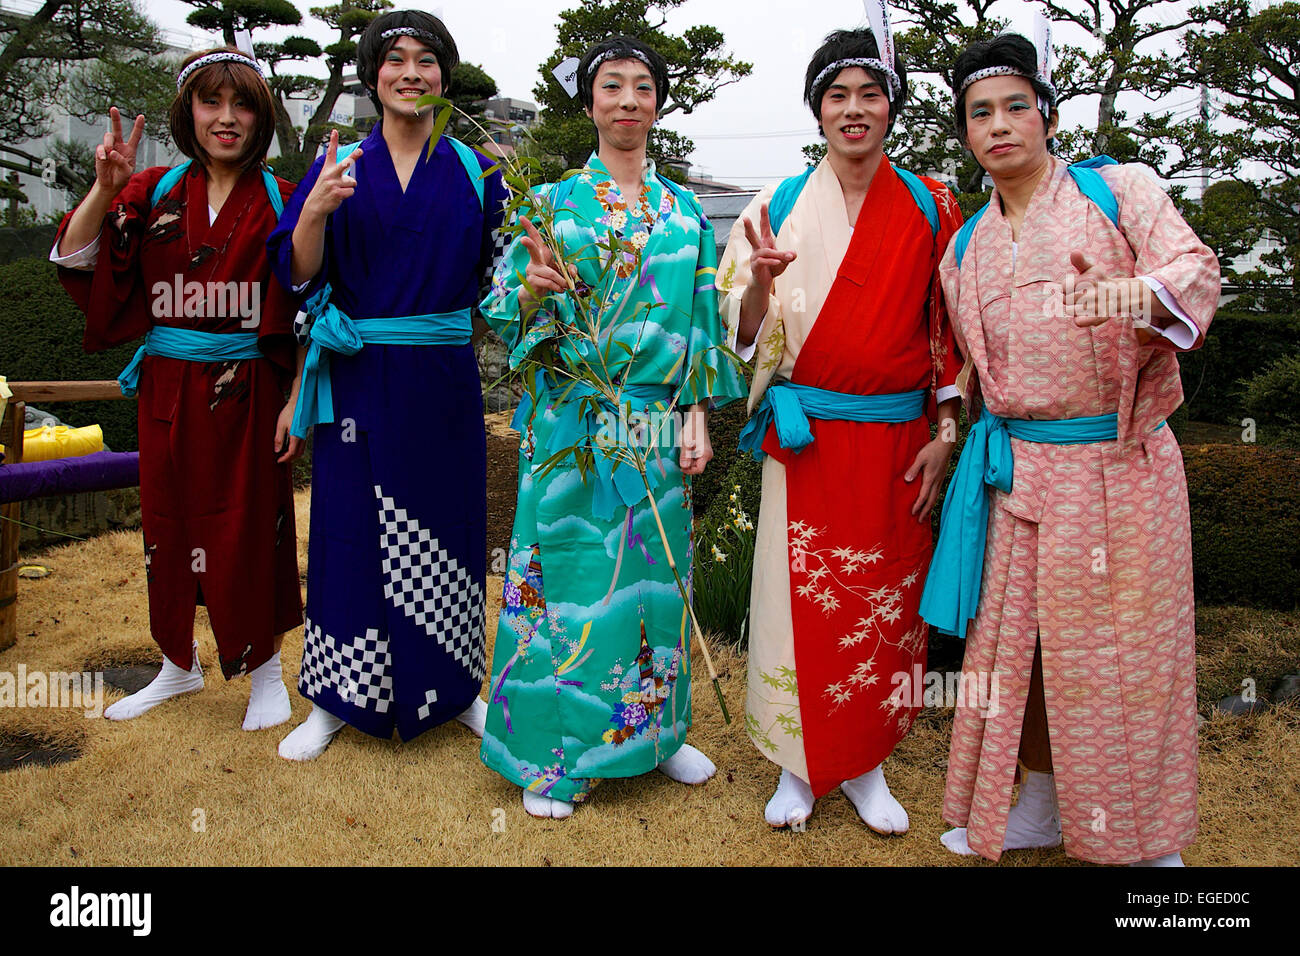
[1090,553]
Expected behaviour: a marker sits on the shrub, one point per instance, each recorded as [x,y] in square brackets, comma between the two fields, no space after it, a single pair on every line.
[724,435]
[41,330]
[724,564]
[1273,396]
[1245,505]
[1236,349]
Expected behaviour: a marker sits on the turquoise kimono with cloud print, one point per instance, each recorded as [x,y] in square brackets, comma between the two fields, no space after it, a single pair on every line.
[591,667]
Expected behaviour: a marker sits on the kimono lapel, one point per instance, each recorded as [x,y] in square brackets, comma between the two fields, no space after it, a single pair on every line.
[377,182]
[417,206]
[832,223]
[195,193]
[878,215]
[248,189]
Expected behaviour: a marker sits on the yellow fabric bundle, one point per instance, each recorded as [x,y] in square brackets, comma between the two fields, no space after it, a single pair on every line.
[60,441]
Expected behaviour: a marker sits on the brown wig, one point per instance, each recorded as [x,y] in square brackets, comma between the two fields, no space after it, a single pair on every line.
[206,80]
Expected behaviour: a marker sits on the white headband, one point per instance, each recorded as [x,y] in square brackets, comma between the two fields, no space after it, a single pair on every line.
[596,61]
[425,35]
[1043,105]
[219,57]
[867,63]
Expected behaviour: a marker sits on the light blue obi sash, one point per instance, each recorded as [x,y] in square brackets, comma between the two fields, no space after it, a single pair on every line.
[790,406]
[952,587]
[582,412]
[190,345]
[335,331]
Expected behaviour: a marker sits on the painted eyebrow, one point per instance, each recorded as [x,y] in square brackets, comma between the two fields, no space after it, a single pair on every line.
[401,47]
[619,74]
[1009,98]
[864,86]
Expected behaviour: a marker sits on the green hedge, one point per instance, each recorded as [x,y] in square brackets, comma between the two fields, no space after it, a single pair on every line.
[41,329]
[724,435]
[1238,347]
[1245,503]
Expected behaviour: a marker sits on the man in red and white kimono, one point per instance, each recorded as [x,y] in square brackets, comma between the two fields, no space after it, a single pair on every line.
[854,361]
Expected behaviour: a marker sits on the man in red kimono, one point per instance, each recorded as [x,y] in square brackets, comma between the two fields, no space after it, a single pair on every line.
[839,290]
[180,258]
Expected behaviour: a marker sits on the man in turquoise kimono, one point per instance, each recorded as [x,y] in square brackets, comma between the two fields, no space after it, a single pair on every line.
[591,671]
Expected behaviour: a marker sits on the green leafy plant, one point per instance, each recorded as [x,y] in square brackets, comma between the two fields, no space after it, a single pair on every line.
[724,566]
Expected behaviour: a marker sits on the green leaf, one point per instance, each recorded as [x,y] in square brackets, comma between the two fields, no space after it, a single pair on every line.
[439,125]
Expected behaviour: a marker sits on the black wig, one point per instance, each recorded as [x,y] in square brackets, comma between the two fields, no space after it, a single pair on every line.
[1005,49]
[630,48]
[851,45]
[372,47]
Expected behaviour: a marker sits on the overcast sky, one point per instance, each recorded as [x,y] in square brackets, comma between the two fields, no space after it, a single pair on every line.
[751,133]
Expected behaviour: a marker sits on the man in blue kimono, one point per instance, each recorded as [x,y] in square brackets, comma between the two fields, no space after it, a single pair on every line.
[390,245]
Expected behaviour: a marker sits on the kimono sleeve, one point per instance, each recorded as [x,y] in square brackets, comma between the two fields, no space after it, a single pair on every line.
[113,295]
[500,307]
[279,244]
[496,237]
[1166,249]
[734,278]
[709,372]
[275,331]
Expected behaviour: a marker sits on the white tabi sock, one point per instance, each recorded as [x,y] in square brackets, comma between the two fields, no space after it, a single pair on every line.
[170,682]
[268,699]
[791,804]
[1035,821]
[955,840]
[1169,859]
[537,805]
[474,716]
[688,765]
[875,804]
[309,739]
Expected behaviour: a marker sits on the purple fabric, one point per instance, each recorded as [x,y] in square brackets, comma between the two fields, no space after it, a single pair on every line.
[64,476]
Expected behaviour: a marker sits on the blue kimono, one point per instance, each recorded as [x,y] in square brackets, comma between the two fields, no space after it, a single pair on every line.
[394,632]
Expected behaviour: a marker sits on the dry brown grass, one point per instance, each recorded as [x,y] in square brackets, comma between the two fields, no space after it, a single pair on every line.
[131,798]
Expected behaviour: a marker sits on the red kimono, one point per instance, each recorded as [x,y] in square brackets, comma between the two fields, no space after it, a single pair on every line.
[835,637]
[216,507]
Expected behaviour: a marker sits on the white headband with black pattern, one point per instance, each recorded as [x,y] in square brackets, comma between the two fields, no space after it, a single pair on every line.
[430,38]
[616,54]
[867,63]
[1045,56]
[219,57]
[989,71]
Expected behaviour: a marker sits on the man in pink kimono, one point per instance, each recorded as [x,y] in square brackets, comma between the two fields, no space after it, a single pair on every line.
[1070,294]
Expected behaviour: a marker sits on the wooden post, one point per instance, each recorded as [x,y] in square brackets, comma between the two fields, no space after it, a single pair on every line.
[15,415]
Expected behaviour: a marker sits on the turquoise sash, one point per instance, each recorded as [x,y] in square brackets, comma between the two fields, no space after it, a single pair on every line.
[582,412]
[790,406]
[188,344]
[952,587]
[335,331]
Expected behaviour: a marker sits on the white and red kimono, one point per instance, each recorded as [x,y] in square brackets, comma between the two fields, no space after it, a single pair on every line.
[840,560]
[1090,552]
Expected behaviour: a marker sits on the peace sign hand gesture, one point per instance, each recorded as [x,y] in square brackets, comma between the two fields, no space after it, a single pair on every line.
[766,262]
[333,185]
[115,157]
[542,275]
